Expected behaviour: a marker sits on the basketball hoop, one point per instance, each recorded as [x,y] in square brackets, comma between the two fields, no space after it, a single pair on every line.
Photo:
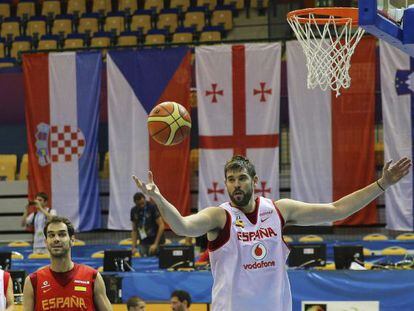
[328,41]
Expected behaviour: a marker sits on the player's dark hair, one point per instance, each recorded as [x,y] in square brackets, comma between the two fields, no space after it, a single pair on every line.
[58,219]
[138,196]
[182,295]
[237,163]
[133,302]
[42,195]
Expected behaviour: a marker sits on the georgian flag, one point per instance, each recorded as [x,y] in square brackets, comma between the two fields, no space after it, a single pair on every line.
[238,92]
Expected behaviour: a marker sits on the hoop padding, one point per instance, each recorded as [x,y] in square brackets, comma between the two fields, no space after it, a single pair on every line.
[328,37]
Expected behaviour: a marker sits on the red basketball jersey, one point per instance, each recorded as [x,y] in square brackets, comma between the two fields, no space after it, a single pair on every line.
[71,291]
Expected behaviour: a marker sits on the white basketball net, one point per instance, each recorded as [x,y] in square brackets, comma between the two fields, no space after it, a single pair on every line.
[328,49]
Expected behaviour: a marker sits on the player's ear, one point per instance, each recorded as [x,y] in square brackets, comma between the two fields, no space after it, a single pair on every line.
[255,179]
[72,240]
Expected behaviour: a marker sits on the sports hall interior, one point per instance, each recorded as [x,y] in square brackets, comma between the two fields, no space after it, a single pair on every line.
[31,26]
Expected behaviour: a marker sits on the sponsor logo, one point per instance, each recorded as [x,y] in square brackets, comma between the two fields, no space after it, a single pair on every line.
[260,234]
[259,265]
[45,284]
[64,303]
[259,251]
[80,289]
[266,213]
[264,219]
[81,282]
[46,290]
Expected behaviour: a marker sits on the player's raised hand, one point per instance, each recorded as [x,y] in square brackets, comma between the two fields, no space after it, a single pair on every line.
[149,188]
[392,173]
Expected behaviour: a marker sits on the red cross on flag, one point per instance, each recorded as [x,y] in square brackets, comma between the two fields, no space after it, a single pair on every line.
[238,91]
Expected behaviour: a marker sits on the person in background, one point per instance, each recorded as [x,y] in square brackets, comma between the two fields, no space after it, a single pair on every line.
[135,304]
[38,219]
[6,291]
[147,226]
[180,300]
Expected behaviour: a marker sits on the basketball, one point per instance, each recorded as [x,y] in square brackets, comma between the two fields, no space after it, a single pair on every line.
[169,123]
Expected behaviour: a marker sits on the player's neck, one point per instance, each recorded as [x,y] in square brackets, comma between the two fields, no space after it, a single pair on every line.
[62,264]
[250,207]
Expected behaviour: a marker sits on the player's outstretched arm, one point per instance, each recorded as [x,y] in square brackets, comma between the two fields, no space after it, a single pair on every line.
[300,213]
[209,219]
[102,302]
[28,295]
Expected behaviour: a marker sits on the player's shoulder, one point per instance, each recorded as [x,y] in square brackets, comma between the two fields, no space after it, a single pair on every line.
[82,268]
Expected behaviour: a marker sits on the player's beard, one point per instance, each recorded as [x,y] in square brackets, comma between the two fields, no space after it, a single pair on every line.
[59,252]
[245,198]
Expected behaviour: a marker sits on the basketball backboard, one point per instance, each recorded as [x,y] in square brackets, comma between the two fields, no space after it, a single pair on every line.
[389,20]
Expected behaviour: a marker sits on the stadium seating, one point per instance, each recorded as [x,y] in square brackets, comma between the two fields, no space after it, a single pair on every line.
[79,243]
[20,44]
[181,5]
[7,62]
[8,164]
[195,17]
[89,23]
[4,10]
[183,35]
[24,167]
[127,241]
[36,27]
[287,239]
[211,34]
[2,48]
[10,28]
[237,4]
[209,4]
[154,5]
[26,9]
[222,16]
[48,42]
[38,256]
[105,170]
[19,244]
[115,23]
[168,19]
[128,38]
[74,41]
[101,39]
[102,7]
[51,8]
[156,36]
[259,4]
[98,254]
[141,21]
[127,6]
[409,236]
[311,238]
[393,251]
[62,25]
[76,7]
[375,237]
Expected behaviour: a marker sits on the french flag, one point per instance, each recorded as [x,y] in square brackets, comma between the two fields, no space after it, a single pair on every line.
[137,81]
[332,138]
[62,116]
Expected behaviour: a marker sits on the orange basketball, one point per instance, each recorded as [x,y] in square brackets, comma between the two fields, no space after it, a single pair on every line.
[169,123]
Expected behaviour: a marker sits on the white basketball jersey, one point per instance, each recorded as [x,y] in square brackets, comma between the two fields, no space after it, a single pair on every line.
[249,269]
[2,293]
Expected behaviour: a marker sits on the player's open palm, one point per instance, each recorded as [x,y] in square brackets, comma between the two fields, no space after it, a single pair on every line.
[393,173]
[149,188]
